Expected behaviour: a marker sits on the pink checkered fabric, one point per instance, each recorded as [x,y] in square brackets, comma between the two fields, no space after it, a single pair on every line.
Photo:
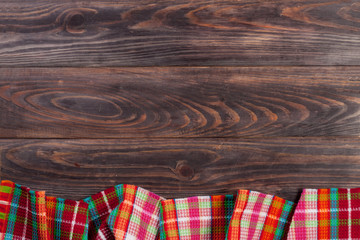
[194,217]
[144,220]
[254,215]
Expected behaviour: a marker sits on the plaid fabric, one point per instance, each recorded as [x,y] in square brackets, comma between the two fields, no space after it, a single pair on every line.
[222,207]
[6,194]
[66,219]
[168,220]
[120,212]
[205,217]
[259,216]
[28,214]
[124,212]
[277,221]
[327,214]
[100,207]
[240,204]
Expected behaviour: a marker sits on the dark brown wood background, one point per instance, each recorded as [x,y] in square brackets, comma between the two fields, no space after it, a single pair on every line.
[180,97]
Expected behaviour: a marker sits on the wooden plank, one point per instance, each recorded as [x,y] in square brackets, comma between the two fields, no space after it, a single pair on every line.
[179,33]
[183,167]
[179,102]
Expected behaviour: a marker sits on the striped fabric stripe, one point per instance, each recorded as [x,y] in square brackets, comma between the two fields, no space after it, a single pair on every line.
[6,195]
[168,220]
[327,214]
[222,207]
[259,216]
[334,214]
[323,214]
[240,204]
[204,217]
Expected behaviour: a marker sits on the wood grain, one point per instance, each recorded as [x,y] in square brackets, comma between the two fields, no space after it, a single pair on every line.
[179,33]
[179,102]
[183,167]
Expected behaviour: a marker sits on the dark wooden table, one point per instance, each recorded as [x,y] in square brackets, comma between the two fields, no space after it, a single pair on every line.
[180,97]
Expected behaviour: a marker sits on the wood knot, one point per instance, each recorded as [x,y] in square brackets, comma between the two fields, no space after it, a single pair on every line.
[184,171]
[75,22]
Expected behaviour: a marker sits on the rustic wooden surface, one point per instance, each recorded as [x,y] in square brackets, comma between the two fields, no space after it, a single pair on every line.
[179,33]
[183,167]
[179,102]
[180,97]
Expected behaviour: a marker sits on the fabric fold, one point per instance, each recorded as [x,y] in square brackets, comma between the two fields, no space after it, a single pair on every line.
[124,212]
[259,216]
